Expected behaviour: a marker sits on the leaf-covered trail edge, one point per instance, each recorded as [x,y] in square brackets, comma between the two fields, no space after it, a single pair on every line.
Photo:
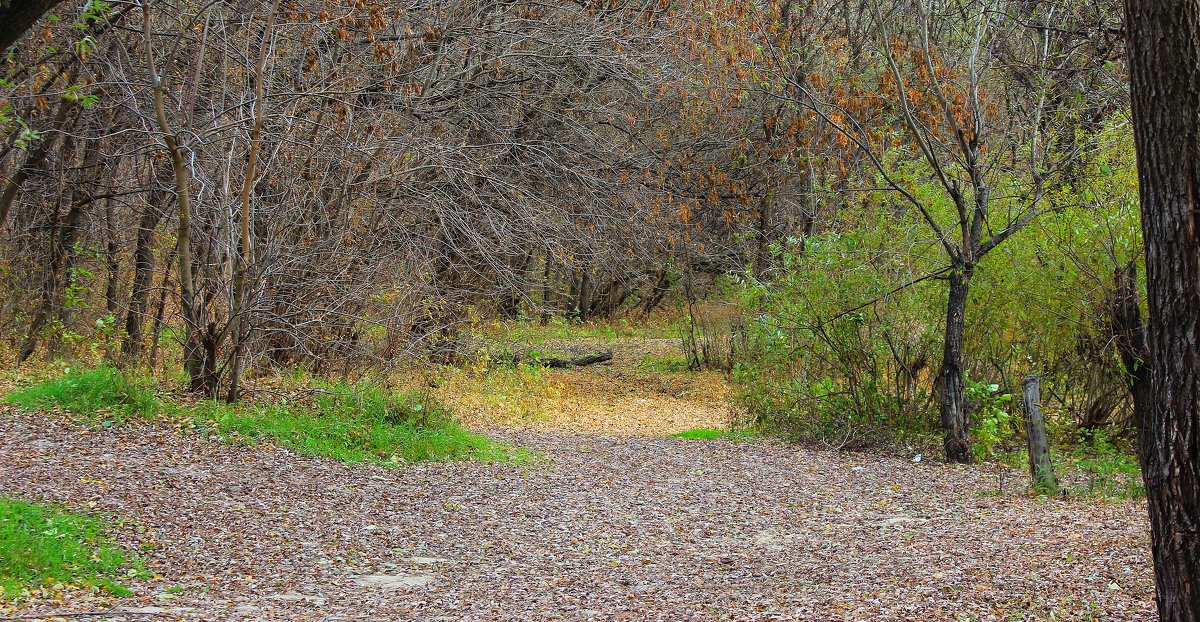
[605,529]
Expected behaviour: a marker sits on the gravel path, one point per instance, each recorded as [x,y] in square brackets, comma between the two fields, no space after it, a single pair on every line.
[605,529]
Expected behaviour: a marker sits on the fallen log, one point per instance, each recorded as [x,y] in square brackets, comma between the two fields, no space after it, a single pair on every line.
[580,361]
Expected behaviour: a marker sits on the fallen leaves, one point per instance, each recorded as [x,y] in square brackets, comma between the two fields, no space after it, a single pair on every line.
[634,529]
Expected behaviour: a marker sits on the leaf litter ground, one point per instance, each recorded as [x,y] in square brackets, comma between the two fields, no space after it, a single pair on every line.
[606,528]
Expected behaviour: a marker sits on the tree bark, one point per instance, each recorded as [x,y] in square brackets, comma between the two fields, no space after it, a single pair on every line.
[143,276]
[955,422]
[1164,57]
[18,16]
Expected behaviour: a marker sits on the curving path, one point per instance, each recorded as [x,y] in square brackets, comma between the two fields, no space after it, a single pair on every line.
[606,529]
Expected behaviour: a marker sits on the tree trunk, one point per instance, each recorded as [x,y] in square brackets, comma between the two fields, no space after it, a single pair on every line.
[18,16]
[1129,333]
[547,290]
[143,277]
[199,346]
[163,290]
[112,260]
[762,253]
[1164,57]
[955,423]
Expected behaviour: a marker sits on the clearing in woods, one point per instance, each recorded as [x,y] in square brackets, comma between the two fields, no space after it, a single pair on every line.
[616,522]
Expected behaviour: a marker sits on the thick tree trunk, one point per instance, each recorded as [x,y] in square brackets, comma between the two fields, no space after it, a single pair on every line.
[1164,57]
[18,16]
[955,423]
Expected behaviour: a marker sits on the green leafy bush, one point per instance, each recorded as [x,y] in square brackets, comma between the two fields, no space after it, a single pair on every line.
[846,325]
[819,364]
[990,421]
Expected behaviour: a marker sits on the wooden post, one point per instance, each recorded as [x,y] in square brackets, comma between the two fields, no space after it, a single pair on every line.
[1041,471]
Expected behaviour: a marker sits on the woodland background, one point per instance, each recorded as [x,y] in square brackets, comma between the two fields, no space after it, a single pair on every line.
[877,216]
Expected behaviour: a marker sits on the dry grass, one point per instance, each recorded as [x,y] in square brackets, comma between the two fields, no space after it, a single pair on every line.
[628,397]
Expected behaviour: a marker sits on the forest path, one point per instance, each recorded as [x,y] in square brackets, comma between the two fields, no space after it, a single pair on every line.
[606,528]
[645,390]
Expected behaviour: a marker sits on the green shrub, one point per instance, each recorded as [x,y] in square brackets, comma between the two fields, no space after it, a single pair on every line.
[990,421]
[1110,470]
[846,326]
[821,366]
[46,545]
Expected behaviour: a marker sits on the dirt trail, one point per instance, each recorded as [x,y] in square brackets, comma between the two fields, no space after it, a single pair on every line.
[621,398]
[607,529]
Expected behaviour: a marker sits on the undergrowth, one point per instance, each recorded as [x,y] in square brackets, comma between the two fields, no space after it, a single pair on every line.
[47,547]
[1096,467]
[358,422]
[1104,468]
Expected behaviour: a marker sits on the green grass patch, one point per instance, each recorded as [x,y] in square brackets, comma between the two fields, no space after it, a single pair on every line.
[360,423]
[43,545]
[1106,469]
[101,394]
[348,422]
[710,434]
[664,364]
